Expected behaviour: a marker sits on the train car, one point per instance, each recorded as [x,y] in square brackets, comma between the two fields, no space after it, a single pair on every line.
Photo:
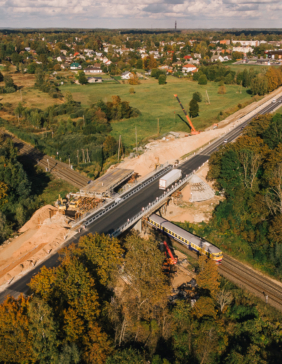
[185,238]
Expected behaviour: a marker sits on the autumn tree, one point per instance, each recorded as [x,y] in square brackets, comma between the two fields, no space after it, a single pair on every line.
[208,277]
[134,79]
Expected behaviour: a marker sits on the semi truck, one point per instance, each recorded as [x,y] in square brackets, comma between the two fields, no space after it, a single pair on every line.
[169,178]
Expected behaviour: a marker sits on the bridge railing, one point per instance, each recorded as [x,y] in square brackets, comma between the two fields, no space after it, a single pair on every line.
[146,210]
[88,217]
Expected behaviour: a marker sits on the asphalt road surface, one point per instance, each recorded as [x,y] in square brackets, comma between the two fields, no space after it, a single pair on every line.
[130,207]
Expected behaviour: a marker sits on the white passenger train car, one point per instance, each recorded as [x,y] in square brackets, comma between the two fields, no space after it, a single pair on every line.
[187,239]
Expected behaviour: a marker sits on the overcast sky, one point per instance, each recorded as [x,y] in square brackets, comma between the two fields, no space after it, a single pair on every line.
[141,14]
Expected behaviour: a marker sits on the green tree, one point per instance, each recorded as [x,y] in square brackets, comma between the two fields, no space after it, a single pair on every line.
[1,77]
[193,108]
[82,78]
[126,356]
[202,80]
[162,79]
[197,96]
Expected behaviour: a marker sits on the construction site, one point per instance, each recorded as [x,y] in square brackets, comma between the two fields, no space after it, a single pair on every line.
[51,226]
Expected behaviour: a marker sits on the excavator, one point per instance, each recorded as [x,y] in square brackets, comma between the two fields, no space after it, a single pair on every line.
[170,260]
[61,204]
[193,130]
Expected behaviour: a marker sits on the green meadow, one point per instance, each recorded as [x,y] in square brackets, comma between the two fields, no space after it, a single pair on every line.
[158,102]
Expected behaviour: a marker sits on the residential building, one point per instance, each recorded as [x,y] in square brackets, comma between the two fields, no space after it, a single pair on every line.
[187,68]
[224,41]
[94,79]
[216,58]
[243,49]
[126,75]
[250,43]
[92,69]
[75,66]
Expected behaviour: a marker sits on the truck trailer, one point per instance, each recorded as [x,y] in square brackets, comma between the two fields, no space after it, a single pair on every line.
[169,178]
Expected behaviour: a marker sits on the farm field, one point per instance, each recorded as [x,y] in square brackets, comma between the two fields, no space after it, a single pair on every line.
[157,101]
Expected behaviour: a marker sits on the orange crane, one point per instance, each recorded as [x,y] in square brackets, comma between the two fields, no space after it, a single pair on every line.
[193,130]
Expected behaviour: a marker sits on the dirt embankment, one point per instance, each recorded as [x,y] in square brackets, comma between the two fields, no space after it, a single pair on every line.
[42,234]
[193,212]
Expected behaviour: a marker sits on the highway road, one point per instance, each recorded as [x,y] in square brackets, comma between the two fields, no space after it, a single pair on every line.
[130,207]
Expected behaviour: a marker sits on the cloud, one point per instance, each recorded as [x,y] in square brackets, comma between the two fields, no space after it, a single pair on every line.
[93,13]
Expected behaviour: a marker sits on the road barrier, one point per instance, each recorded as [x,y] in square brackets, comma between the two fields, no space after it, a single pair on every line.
[146,210]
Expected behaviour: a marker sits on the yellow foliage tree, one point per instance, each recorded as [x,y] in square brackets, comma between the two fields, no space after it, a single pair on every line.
[208,278]
[3,193]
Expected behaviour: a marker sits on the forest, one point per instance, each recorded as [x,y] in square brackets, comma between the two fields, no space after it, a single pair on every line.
[248,173]
[259,83]
[108,302]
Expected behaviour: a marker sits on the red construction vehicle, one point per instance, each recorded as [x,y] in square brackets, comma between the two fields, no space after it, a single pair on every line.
[170,259]
[193,130]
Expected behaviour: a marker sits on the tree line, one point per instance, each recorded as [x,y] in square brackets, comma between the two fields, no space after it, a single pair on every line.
[108,302]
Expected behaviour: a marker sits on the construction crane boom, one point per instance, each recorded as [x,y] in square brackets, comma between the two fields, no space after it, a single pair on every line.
[193,130]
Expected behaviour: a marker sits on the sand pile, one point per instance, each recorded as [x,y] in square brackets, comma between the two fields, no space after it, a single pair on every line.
[37,218]
[40,236]
[170,149]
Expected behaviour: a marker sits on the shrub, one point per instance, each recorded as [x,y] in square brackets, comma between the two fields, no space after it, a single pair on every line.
[193,108]
[197,96]
[162,79]
[203,80]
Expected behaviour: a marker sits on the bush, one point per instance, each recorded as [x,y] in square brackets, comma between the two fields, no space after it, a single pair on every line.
[197,96]
[9,90]
[193,108]
[221,90]
[203,80]
[196,76]
[162,79]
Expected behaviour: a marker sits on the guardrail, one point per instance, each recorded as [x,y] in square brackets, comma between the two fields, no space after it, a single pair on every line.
[146,209]
[109,205]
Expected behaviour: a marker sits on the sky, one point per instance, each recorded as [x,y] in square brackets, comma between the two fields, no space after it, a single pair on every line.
[141,14]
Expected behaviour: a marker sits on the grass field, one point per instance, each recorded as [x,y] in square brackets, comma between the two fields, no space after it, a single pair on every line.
[241,67]
[157,101]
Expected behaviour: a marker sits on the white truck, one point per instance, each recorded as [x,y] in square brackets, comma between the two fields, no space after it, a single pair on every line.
[169,178]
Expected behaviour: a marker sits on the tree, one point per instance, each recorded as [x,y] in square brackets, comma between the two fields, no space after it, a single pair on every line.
[193,108]
[82,78]
[15,336]
[126,356]
[8,81]
[134,80]
[259,85]
[208,278]
[197,96]
[109,146]
[1,77]
[162,79]
[202,80]
[132,91]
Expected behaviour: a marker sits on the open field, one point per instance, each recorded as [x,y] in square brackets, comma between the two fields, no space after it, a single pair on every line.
[28,95]
[155,101]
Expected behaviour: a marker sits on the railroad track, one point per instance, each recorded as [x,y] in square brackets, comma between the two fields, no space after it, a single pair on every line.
[247,278]
[59,169]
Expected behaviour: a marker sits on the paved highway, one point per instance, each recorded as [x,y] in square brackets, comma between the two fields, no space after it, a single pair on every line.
[130,207]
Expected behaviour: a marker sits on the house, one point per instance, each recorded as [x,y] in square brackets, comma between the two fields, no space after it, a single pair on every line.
[126,75]
[187,57]
[178,63]
[224,41]
[75,66]
[27,49]
[65,66]
[249,43]
[187,68]
[216,58]
[76,54]
[92,69]
[243,49]
[197,55]
[99,54]
[61,58]
[144,55]
[94,79]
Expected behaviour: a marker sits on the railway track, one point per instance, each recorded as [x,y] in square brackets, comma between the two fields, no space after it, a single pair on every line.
[247,278]
[59,169]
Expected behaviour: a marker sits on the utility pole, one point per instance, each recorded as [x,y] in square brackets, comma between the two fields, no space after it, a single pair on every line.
[208,99]
[83,120]
[77,155]
[119,140]
[88,159]
[83,156]
[136,137]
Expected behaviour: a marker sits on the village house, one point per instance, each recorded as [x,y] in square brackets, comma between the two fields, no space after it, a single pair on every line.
[92,69]
[75,66]
[94,79]
[216,58]
[126,75]
[187,68]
